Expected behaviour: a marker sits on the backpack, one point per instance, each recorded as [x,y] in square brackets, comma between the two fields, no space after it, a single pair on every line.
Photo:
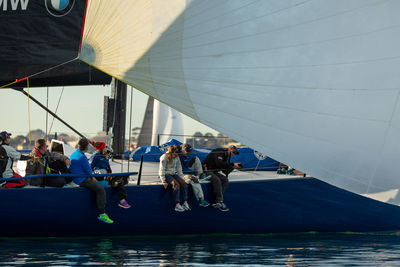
[115,181]
[3,160]
[59,167]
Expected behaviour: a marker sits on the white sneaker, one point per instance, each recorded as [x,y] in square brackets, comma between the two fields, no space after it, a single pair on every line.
[186,206]
[71,184]
[204,177]
[179,208]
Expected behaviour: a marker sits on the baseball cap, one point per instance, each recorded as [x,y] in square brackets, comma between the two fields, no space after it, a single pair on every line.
[187,147]
[234,149]
[4,135]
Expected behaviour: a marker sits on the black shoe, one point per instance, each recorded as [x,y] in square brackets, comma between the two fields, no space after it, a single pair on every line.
[223,207]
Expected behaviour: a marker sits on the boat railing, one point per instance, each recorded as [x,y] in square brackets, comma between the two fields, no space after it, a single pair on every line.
[68,175]
[154,157]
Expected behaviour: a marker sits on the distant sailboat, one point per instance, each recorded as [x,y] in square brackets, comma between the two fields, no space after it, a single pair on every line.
[160,123]
[146,131]
[167,124]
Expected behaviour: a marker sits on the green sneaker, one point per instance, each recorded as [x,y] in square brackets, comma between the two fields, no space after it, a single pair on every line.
[104,217]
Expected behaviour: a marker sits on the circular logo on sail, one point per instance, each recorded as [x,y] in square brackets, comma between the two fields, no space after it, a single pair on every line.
[59,8]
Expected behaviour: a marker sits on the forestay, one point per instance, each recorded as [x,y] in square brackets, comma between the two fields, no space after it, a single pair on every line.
[313,84]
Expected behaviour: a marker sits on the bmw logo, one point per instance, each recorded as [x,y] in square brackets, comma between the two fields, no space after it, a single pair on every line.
[59,8]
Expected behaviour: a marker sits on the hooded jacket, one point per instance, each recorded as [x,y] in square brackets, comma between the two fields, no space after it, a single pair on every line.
[37,165]
[218,160]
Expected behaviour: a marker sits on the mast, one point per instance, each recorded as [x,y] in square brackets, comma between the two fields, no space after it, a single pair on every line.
[118,130]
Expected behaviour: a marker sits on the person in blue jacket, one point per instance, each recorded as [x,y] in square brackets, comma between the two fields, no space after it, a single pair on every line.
[80,165]
[100,164]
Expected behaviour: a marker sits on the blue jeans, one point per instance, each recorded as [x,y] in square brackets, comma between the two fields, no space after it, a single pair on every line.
[177,187]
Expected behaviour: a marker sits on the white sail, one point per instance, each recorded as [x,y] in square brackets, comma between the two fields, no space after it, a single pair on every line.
[311,83]
[167,124]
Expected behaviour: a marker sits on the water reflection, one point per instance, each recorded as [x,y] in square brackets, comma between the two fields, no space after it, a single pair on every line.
[257,250]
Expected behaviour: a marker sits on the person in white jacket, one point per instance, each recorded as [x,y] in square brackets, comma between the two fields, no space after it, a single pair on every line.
[170,173]
[12,156]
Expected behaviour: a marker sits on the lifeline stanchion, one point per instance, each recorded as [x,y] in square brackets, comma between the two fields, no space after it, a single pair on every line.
[140,170]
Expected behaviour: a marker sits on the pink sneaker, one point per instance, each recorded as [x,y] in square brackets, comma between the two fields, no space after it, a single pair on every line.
[124,204]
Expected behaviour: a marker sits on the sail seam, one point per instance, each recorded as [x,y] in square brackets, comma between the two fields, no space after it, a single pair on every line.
[284,27]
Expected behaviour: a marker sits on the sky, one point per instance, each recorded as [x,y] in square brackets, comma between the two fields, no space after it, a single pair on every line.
[80,106]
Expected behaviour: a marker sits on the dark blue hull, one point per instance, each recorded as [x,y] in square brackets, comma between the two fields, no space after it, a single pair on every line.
[268,206]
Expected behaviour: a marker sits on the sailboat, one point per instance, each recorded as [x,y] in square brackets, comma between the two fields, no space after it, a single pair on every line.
[313,84]
[167,124]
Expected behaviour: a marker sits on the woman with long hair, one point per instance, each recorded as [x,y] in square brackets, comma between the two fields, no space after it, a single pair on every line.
[170,173]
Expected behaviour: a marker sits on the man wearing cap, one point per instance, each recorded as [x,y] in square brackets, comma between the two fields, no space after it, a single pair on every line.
[12,155]
[191,166]
[218,165]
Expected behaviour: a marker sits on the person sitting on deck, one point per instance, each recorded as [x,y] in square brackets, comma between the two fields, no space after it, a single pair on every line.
[191,164]
[217,163]
[39,164]
[100,164]
[80,165]
[170,172]
[11,156]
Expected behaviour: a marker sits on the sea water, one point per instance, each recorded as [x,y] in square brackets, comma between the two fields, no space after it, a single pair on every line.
[306,249]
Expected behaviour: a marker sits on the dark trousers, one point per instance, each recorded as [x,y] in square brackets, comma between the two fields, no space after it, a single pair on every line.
[121,191]
[219,183]
[98,190]
[178,186]
[48,181]
[54,181]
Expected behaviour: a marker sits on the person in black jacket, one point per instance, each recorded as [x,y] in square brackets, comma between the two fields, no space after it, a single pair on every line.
[218,165]
[44,162]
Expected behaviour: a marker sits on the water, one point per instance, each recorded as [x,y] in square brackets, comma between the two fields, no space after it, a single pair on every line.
[308,249]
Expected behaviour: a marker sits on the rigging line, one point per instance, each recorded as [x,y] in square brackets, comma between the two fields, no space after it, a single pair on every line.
[50,112]
[40,72]
[55,112]
[29,111]
[16,81]
[54,67]
[47,113]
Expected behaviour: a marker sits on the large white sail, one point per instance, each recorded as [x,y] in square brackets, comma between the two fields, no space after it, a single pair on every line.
[312,83]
